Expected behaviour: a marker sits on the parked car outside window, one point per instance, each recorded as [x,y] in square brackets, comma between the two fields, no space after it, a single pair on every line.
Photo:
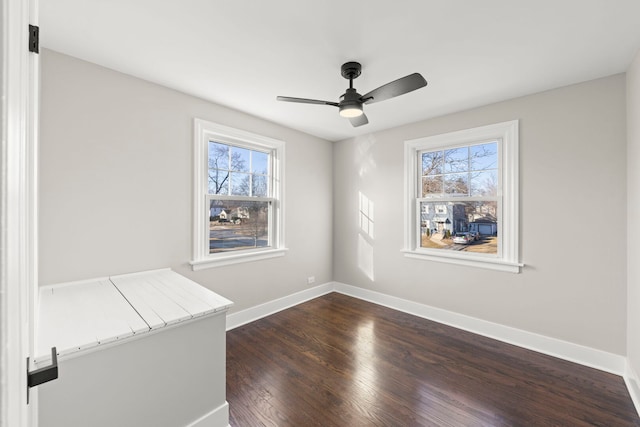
[463,238]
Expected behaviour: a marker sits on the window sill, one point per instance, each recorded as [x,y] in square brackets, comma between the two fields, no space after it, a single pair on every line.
[486,263]
[229,259]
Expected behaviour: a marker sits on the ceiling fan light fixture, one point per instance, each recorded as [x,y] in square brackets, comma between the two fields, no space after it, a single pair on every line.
[351,102]
[352,110]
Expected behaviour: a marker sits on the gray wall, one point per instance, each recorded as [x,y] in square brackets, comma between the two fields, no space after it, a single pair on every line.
[115,197]
[572,209]
[633,214]
[116,185]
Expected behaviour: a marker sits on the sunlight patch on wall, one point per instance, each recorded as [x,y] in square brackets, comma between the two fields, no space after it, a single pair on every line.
[366,215]
[365,237]
[363,156]
[365,257]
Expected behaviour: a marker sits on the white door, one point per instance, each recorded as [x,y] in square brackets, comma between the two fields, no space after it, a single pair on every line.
[18,209]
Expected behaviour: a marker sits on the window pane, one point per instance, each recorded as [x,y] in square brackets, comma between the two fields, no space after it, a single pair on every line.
[431,185]
[484,183]
[432,163]
[229,168]
[218,182]
[456,160]
[218,155]
[260,186]
[484,156]
[456,184]
[237,225]
[483,212]
[218,158]
[459,226]
[240,159]
[259,162]
[239,184]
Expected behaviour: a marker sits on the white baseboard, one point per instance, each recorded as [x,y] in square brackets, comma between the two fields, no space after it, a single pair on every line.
[218,417]
[587,356]
[580,354]
[632,380]
[259,311]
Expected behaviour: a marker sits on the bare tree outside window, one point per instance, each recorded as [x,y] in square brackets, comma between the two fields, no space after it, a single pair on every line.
[463,171]
[221,162]
[258,222]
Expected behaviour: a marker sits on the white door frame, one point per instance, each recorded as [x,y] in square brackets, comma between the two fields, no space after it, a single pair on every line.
[18,209]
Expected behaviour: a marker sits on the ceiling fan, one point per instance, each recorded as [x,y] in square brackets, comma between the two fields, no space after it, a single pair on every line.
[350,105]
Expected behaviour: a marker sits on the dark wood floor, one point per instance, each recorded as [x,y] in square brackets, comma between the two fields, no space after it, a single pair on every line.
[340,361]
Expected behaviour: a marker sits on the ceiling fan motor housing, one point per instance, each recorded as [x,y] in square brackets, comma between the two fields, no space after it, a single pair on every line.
[350,104]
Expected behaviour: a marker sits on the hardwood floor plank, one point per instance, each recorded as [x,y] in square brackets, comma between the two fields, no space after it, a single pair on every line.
[341,361]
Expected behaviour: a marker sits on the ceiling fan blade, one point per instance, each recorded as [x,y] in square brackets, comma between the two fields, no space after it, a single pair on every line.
[306,101]
[359,121]
[395,88]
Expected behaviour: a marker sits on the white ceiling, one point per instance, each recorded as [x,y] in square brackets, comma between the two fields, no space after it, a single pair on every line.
[242,53]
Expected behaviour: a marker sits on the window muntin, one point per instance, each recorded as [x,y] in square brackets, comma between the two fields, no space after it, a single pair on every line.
[238,196]
[464,182]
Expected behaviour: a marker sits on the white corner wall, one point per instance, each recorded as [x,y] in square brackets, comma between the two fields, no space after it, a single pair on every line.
[572,211]
[633,229]
[116,185]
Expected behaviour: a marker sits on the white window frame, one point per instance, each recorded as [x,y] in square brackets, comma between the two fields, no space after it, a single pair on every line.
[508,258]
[204,132]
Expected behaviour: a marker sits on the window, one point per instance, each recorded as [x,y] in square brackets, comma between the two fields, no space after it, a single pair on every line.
[237,196]
[461,197]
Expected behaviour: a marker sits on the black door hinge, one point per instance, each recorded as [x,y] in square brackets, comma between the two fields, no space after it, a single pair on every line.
[43,375]
[34,39]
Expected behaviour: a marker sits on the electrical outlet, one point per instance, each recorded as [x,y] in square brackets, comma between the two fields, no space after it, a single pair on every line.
[311,280]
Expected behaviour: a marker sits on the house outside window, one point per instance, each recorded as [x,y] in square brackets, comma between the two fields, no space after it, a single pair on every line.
[238,196]
[461,197]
